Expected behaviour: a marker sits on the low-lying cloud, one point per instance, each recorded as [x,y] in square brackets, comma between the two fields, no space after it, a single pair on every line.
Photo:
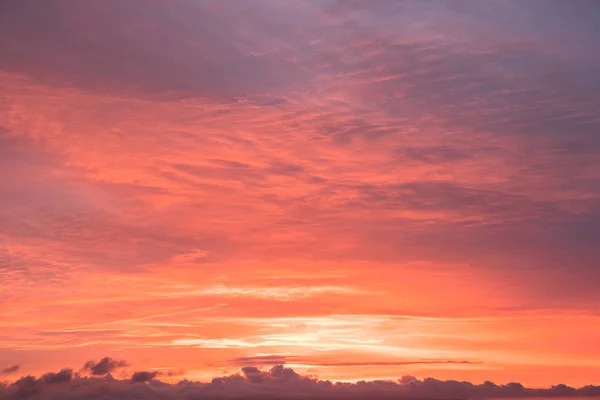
[279,382]
[144,376]
[104,366]
[64,375]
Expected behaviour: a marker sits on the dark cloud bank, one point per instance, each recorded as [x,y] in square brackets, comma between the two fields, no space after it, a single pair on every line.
[278,382]
[104,366]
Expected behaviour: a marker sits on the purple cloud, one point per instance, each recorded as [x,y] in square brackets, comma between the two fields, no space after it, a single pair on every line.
[277,383]
[144,376]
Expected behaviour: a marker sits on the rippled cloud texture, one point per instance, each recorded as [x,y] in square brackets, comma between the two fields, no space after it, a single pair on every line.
[357,189]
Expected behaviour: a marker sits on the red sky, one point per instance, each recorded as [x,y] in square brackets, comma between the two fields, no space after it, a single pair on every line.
[357,189]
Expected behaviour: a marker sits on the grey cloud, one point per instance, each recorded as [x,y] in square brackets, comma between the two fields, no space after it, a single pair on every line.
[283,374]
[252,374]
[249,363]
[104,366]
[24,387]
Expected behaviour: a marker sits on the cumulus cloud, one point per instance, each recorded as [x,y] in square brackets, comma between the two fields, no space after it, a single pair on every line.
[279,382]
[24,387]
[28,386]
[144,376]
[65,375]
[104,366]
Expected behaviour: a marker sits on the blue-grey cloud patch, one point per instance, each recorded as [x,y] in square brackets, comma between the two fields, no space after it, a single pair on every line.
[249,363]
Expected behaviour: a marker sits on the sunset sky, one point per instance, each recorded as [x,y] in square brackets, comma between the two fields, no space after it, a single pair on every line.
[357,189]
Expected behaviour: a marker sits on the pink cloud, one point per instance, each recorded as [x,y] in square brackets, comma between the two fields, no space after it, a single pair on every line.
[175,168]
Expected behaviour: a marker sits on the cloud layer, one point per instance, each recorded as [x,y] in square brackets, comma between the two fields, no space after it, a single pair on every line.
[410,183]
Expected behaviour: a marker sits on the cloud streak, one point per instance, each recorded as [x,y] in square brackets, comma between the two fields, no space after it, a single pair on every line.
[144,376]
[11,369]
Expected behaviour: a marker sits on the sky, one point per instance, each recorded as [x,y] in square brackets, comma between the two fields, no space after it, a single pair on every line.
[357,189]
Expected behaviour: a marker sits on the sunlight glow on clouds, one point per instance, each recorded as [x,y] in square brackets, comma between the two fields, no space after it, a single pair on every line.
[363,189]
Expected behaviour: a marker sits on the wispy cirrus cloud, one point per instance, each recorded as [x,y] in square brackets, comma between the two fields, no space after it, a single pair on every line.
[104,366]
[11,369]
[280,360]
[174,168]
[279,382]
